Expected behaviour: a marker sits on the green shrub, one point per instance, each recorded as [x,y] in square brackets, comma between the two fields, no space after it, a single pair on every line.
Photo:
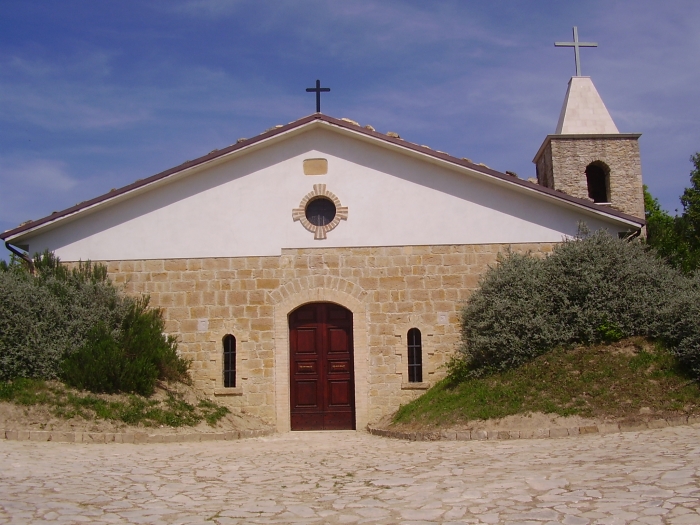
[609,332]
[64,403]
[592,289]
[141,334]
[101,365]
[129,359]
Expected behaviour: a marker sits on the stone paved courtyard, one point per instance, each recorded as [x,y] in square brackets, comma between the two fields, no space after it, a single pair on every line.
[649,477]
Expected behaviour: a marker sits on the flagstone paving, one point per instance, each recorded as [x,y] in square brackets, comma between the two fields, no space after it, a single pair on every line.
[649,477]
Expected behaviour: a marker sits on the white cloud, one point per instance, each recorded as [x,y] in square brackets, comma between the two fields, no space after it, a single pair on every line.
[28,184]
[73,93]
[44,174]
[353,29]
[204,8]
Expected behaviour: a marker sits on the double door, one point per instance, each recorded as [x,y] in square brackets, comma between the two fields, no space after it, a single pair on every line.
[321,368]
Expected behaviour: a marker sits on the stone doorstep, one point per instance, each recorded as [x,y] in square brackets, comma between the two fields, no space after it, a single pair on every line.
[131,437]
[540,433]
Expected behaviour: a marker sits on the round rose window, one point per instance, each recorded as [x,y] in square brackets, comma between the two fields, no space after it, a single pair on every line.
[320,212]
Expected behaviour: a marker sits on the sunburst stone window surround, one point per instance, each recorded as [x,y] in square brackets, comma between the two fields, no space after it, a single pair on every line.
[320,192]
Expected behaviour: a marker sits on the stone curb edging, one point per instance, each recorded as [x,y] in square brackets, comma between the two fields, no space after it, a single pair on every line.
[480,435]
[128,437]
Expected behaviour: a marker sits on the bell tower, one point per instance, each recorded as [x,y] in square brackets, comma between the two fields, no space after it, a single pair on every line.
[587,157]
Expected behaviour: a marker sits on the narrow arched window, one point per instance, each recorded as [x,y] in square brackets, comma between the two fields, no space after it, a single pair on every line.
[598,181]
[229,361]
[415,357]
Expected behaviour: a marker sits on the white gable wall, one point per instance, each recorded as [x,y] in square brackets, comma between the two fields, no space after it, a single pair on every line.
[243,207]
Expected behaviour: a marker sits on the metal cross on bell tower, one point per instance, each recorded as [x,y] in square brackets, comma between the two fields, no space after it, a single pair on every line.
[576,45]
[318,90]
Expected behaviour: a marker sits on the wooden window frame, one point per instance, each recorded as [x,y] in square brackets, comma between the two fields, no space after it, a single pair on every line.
[415,355]
[229,365]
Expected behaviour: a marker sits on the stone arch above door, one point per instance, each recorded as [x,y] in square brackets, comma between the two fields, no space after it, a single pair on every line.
[314,283]
[341,292]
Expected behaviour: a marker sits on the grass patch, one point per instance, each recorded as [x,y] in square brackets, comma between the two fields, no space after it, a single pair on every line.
[613,381]
[132,410]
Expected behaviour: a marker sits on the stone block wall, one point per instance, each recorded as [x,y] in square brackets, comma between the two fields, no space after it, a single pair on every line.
[545,172]
[388,289]
[561,165]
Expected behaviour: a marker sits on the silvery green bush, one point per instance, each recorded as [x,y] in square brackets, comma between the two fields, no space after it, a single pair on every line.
[33,331]
[591,289]
[75,325]
[46,316]
[679,324]
[506,321]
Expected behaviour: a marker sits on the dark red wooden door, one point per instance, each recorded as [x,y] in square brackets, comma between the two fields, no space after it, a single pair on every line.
[321,368]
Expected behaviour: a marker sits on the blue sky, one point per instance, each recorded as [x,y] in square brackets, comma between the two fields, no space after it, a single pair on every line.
[94,95]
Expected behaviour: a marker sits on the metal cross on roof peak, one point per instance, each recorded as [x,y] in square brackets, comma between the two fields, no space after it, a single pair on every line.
[318,89]
[576,45]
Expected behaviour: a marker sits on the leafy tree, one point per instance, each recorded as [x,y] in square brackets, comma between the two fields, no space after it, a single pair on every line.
[677,238]
[690,220]
[661,229]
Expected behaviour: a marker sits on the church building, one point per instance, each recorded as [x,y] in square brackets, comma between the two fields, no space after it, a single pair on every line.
[314,274]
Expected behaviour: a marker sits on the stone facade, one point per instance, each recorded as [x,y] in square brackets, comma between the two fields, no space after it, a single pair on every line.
[389,290]
[562,161]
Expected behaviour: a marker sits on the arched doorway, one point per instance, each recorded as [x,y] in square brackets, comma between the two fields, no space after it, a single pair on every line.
[321,368]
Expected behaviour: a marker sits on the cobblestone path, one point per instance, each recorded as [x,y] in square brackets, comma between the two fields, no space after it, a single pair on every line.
[649,477]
